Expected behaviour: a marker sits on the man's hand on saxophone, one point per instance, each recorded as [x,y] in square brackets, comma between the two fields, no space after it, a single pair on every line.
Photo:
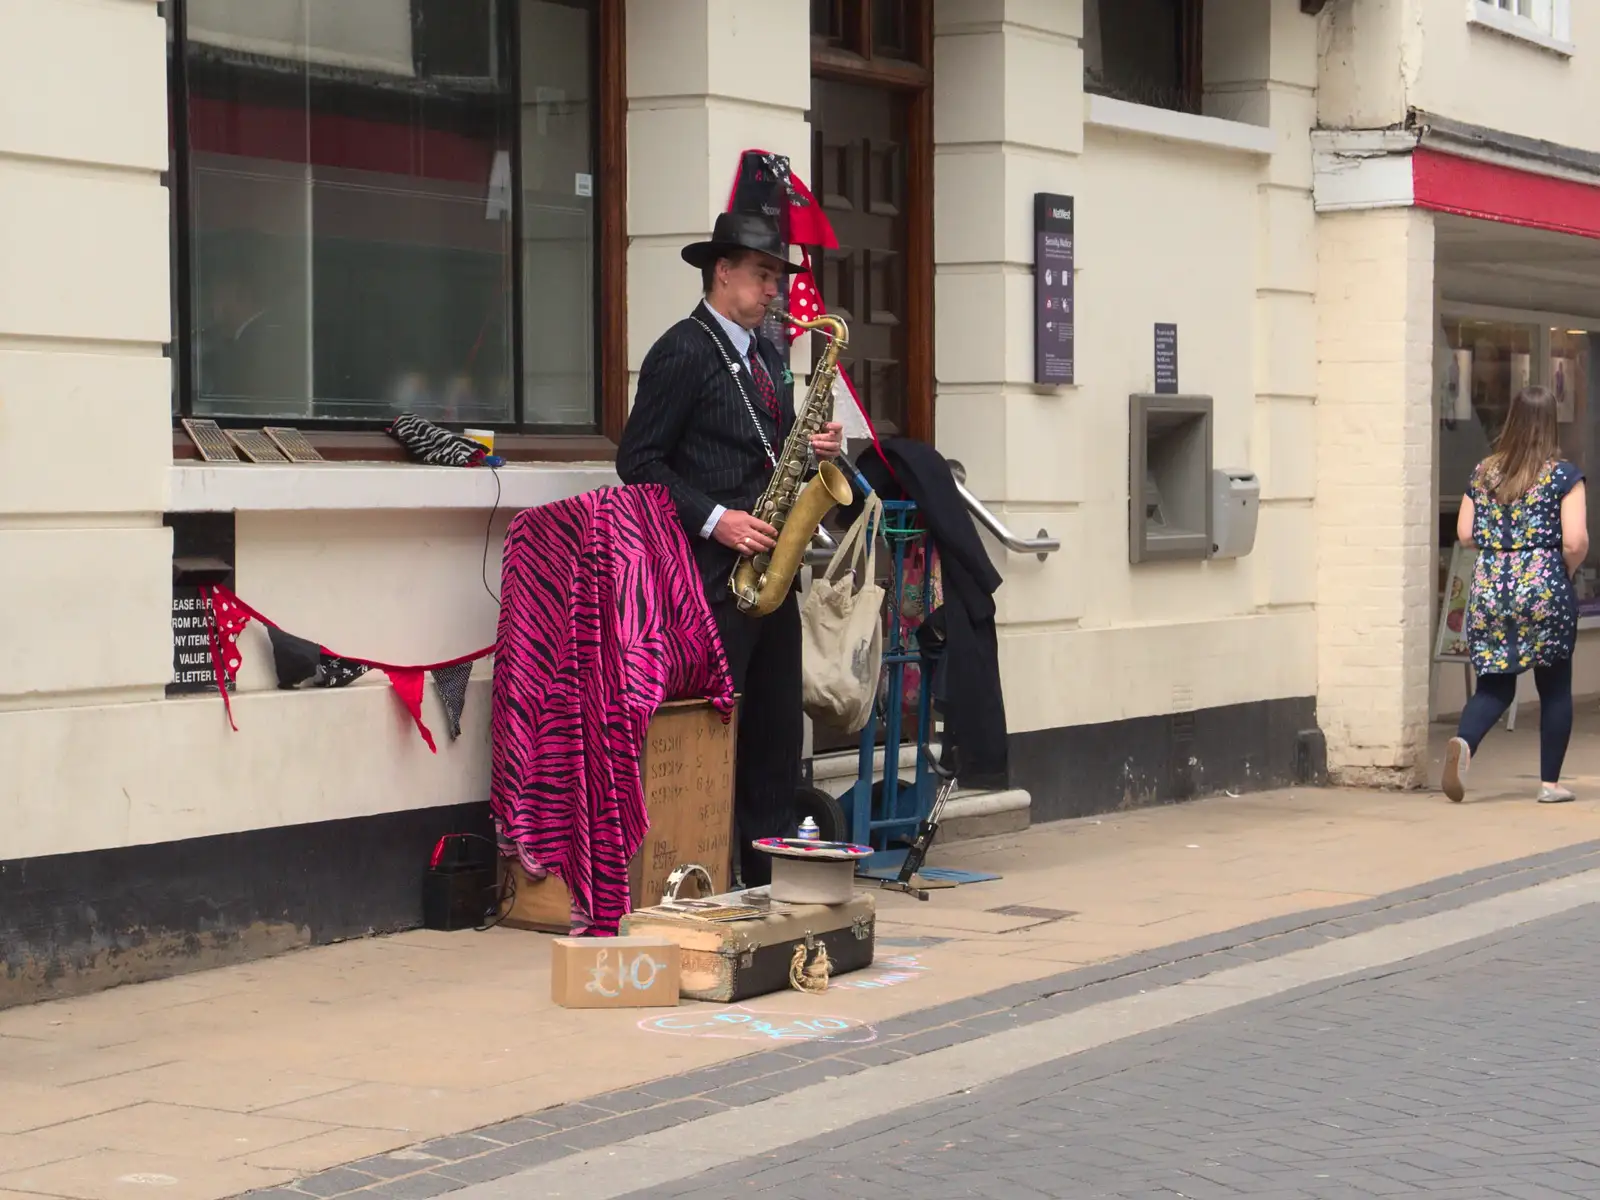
[828,442]
[742,532]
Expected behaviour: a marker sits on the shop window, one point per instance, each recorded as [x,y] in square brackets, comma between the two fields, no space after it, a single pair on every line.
[389,206]
[1144,51]
[1483,364]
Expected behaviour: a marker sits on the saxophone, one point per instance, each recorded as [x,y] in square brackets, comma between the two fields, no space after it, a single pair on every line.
[794,509]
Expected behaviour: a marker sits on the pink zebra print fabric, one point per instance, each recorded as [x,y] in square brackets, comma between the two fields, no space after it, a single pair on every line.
[602,618]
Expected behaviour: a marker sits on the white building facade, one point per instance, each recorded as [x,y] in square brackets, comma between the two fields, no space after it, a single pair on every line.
[319,213]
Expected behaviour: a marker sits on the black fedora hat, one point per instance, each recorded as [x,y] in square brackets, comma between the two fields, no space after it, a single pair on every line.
[741,231]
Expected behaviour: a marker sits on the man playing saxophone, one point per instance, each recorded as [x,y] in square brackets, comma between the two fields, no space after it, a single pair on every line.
[709,422]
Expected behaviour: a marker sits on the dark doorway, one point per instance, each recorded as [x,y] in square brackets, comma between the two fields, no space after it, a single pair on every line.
[858,156]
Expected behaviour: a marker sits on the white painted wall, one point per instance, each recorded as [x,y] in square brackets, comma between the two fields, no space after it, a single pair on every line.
[1176,222]
[1446,57]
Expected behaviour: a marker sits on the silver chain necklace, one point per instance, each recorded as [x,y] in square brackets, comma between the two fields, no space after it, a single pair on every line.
[733,369]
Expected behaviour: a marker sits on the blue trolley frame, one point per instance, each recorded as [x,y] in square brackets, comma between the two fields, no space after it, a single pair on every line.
[898,812]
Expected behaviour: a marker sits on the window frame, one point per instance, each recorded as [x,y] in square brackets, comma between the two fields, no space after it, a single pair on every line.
[1190,36]
[516,440]
[1549,27]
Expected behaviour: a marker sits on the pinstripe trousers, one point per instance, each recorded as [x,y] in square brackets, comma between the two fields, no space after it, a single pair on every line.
[764,658]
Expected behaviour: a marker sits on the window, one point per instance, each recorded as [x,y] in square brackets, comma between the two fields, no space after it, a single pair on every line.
[391,206]
[1143,51]
[1545,22]
[889,31]
[1489,361]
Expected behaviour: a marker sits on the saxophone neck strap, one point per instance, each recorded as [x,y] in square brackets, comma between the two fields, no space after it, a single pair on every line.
[738,379]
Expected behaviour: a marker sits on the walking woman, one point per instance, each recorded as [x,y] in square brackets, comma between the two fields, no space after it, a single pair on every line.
[1525,513]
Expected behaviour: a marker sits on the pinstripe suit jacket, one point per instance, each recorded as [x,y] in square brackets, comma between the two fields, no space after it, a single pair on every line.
[690,431]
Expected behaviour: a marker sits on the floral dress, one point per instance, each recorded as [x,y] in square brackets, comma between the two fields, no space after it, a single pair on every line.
[1523,612]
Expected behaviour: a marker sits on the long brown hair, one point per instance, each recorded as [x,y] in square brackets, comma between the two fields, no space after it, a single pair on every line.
[1528,441]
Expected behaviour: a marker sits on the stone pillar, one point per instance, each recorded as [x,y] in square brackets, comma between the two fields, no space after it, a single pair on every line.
[1008,122]
[1375,505]
[1260,66]
[85,392]
[706,80]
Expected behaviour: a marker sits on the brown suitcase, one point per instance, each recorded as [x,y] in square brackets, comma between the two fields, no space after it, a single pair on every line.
[735,960]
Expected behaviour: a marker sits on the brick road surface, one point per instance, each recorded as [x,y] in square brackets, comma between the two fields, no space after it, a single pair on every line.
[1467,1073]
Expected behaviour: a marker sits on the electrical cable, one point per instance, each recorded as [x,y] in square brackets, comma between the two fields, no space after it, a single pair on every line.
[488,531]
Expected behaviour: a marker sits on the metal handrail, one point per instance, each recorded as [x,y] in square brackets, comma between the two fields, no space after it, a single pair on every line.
[1041,545]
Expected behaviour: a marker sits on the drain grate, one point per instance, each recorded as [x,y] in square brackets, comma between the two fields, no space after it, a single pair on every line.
[1038,914]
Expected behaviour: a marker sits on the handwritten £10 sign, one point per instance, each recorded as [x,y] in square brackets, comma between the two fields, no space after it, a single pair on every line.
[619,972]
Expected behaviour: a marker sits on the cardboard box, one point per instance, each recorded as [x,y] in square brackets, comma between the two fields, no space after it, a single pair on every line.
[620,972]
[687,771]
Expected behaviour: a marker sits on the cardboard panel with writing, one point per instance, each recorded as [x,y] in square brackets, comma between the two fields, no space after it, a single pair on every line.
[619,972]
[687,771]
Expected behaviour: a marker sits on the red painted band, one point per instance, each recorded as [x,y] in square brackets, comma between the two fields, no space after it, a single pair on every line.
[1490,192]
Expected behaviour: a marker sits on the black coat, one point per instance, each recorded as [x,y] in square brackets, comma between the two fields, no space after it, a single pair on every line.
[974,708]
[691,431]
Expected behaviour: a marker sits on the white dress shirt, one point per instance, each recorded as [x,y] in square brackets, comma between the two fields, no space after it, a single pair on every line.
[743,342]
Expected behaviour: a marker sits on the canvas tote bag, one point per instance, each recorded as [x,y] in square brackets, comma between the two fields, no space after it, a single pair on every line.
[841,627]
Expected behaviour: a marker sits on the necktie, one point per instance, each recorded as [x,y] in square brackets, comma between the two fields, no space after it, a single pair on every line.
[769,394]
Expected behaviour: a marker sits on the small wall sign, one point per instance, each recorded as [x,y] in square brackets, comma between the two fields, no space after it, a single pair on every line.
[1166,360]
[1054,316]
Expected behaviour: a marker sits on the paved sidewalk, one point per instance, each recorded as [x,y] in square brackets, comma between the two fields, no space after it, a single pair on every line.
[255,1076]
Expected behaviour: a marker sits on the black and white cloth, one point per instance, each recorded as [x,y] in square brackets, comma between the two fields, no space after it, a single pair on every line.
[451,684]
[303,664]
[433,444]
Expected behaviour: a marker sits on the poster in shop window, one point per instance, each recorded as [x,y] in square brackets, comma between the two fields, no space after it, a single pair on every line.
[1451,641]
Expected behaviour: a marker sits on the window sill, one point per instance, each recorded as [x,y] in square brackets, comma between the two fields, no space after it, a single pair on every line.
[381,448]
[346,487]
[1188,128]
[1518,28]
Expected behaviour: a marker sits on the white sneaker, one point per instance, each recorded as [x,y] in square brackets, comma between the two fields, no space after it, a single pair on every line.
[1457,760]
[1555,795]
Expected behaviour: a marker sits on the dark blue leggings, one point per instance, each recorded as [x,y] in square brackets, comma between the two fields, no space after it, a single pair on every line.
[1495,694]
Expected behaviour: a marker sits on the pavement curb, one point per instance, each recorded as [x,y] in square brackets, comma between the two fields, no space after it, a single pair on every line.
[447,1164]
